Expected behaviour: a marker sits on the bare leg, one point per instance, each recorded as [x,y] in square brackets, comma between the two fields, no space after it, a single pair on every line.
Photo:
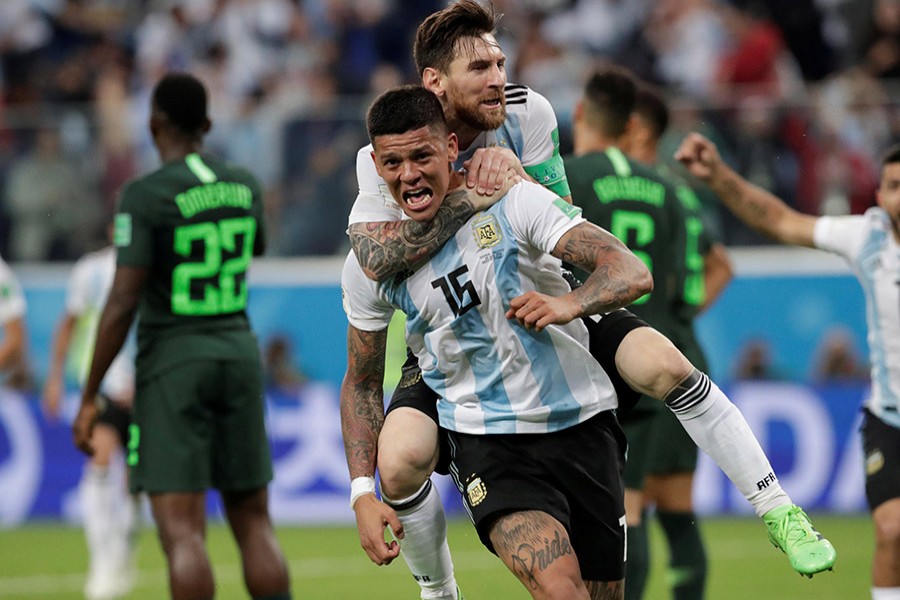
[407,455]
[181,526]
[265,569]
[886,561]
[536,548]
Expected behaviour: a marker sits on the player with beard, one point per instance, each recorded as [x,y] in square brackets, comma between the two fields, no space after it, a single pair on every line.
[461,63]
[503,129]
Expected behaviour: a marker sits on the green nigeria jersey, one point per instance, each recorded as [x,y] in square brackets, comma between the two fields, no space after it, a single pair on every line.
[194,224]
[699,241]
[638,206]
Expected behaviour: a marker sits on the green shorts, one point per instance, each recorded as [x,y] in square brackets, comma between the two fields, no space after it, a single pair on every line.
[676,451]
[640,425]
[200,426]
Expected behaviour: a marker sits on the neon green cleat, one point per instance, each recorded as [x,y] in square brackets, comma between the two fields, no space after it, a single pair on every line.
[459,594]
[791,530]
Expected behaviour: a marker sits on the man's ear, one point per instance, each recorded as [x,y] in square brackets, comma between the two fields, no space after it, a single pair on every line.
[452,147]
[433,82]
[578,112]
[375,160]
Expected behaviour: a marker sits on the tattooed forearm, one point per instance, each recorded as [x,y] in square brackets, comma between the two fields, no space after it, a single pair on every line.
[362,402]
[617,277]
[384,249]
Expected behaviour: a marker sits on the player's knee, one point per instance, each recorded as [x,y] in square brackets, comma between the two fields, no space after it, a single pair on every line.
[564,586]
[887,532]
[672,367]
[403,468]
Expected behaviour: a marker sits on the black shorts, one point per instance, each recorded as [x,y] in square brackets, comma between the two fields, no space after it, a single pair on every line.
[413,392]
[116,415]
[605,336]
[881,448]
[574,475]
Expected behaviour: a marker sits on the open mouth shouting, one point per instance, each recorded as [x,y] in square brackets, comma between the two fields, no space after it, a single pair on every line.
[418,198]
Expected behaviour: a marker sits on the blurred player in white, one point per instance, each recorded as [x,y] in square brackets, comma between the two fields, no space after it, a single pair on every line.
[871,245]
[110,512]
[14,344]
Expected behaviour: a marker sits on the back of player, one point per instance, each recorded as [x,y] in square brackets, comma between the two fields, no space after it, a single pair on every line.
[195,224]
[632,202]
[639,207]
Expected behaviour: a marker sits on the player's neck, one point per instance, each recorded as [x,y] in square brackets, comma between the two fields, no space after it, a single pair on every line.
[177,149]
[587,140]
[464,133]
[645,153]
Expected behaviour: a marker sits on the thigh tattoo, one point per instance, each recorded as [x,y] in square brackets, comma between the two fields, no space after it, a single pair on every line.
[530,542]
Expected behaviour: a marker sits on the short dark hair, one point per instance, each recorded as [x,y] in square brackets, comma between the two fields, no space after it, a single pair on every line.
[609,98]
[404,108]
[182,98]
[891,156]
[437,35]
[650,106]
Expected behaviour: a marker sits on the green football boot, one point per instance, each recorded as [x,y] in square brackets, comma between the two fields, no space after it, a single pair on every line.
[791,531]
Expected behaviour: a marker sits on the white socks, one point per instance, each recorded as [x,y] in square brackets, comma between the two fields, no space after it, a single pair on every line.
[98,501]
[111,522]
[424,545]
[719,429]
[886,593]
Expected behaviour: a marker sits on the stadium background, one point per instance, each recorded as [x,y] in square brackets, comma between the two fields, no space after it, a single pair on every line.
[801,97]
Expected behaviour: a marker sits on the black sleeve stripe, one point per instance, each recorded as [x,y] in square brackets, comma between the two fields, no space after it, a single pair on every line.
[516,94]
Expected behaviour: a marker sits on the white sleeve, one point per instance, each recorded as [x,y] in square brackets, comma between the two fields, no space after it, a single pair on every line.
[539,131]
[12,300]
[374,202]
[77,300]
[363,304]
[538,216]
[841,235]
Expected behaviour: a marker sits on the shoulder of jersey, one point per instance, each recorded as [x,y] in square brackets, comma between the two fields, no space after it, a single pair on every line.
[516,94]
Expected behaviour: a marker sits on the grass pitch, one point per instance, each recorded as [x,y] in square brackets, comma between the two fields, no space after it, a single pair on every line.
[48,561]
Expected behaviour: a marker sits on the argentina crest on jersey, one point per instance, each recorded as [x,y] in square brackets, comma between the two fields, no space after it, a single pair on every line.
[486,231]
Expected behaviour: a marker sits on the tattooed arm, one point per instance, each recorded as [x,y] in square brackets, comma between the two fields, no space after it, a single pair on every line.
[617,279]
[751,204]
[362,399]
[386,248]
[362,415]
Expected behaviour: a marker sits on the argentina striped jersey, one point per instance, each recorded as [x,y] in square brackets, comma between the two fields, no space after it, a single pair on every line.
[867,242]
[492,374]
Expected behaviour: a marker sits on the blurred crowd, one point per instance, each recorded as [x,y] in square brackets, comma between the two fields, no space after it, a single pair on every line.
[802,96]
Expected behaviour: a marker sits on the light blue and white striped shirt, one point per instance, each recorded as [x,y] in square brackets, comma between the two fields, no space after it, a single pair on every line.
[868,244]
[492,374]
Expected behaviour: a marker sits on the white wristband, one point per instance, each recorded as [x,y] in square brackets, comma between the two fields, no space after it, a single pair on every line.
[360,486]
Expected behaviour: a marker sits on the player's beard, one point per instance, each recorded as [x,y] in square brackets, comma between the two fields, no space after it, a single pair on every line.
[472,114]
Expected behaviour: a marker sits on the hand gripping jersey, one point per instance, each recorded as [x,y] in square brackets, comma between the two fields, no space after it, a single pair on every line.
[492,374]
[867,243]
[530,130]
[86,294]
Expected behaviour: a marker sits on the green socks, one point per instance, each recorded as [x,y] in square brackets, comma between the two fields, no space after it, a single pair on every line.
[687,556]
